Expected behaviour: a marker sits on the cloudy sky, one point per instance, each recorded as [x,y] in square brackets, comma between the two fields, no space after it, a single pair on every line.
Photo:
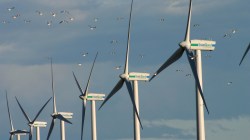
[30,34]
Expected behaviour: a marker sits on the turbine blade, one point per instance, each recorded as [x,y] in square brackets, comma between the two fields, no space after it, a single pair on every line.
[11,124]
[187,35]
[21,132]
[51,128]
[191,60]
[25,115]
[131,94]
[41,110]
[52,85]
[83,116]
[177,54]
[128,40]
[245,54]
[87,86]
[114,90]
[78,85]
[11,137]
[60,117]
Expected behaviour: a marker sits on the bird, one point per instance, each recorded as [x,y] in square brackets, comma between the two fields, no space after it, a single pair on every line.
[39,13]
[96,19]
[5,22]
[162,19]
[63,21]
[53,14]
[16,16]
[71,18]
[92,27]
[11,8]
[113,41]
[141,56]
[27,21]
[229,83]
[119,18]
[118,67]
[49,23]
[85,53]
[179,70]
[196,25]
[64,11]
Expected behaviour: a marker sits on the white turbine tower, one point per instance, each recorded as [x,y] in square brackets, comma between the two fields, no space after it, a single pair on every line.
[85,96]
[31,123]
[195,63]
[133,92]
[62,116]
[13,132]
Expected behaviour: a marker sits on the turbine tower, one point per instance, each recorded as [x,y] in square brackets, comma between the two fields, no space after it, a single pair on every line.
[195,63]
[127,78]
[13,132]
[85,96]
[31,123]
[62,116]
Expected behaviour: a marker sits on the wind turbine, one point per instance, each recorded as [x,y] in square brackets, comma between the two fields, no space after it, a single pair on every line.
[31,123]
[245,54]
[62,116]
[92,97]
[127,78]
[13,132]
[195,63]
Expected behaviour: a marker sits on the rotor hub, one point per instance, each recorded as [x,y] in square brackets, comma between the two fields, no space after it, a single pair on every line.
[124,76]
[185,44]
[82,97]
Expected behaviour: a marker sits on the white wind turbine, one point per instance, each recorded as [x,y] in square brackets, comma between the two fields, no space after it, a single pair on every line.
[62,116]
[13,132]
[31,123]
[195,63]
[85,96]
[127,78]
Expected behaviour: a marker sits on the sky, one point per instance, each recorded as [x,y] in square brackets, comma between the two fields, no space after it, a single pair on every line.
[167,103]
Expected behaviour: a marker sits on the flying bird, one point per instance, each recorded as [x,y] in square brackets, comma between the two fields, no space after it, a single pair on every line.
[92,27]
[118,67]
[49,23]
[11,8]
[196,25]
[53,14]
[96,19]
[85,53]
[63,21]
[229,83]
[113,41]
[39,13]
[16,16]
